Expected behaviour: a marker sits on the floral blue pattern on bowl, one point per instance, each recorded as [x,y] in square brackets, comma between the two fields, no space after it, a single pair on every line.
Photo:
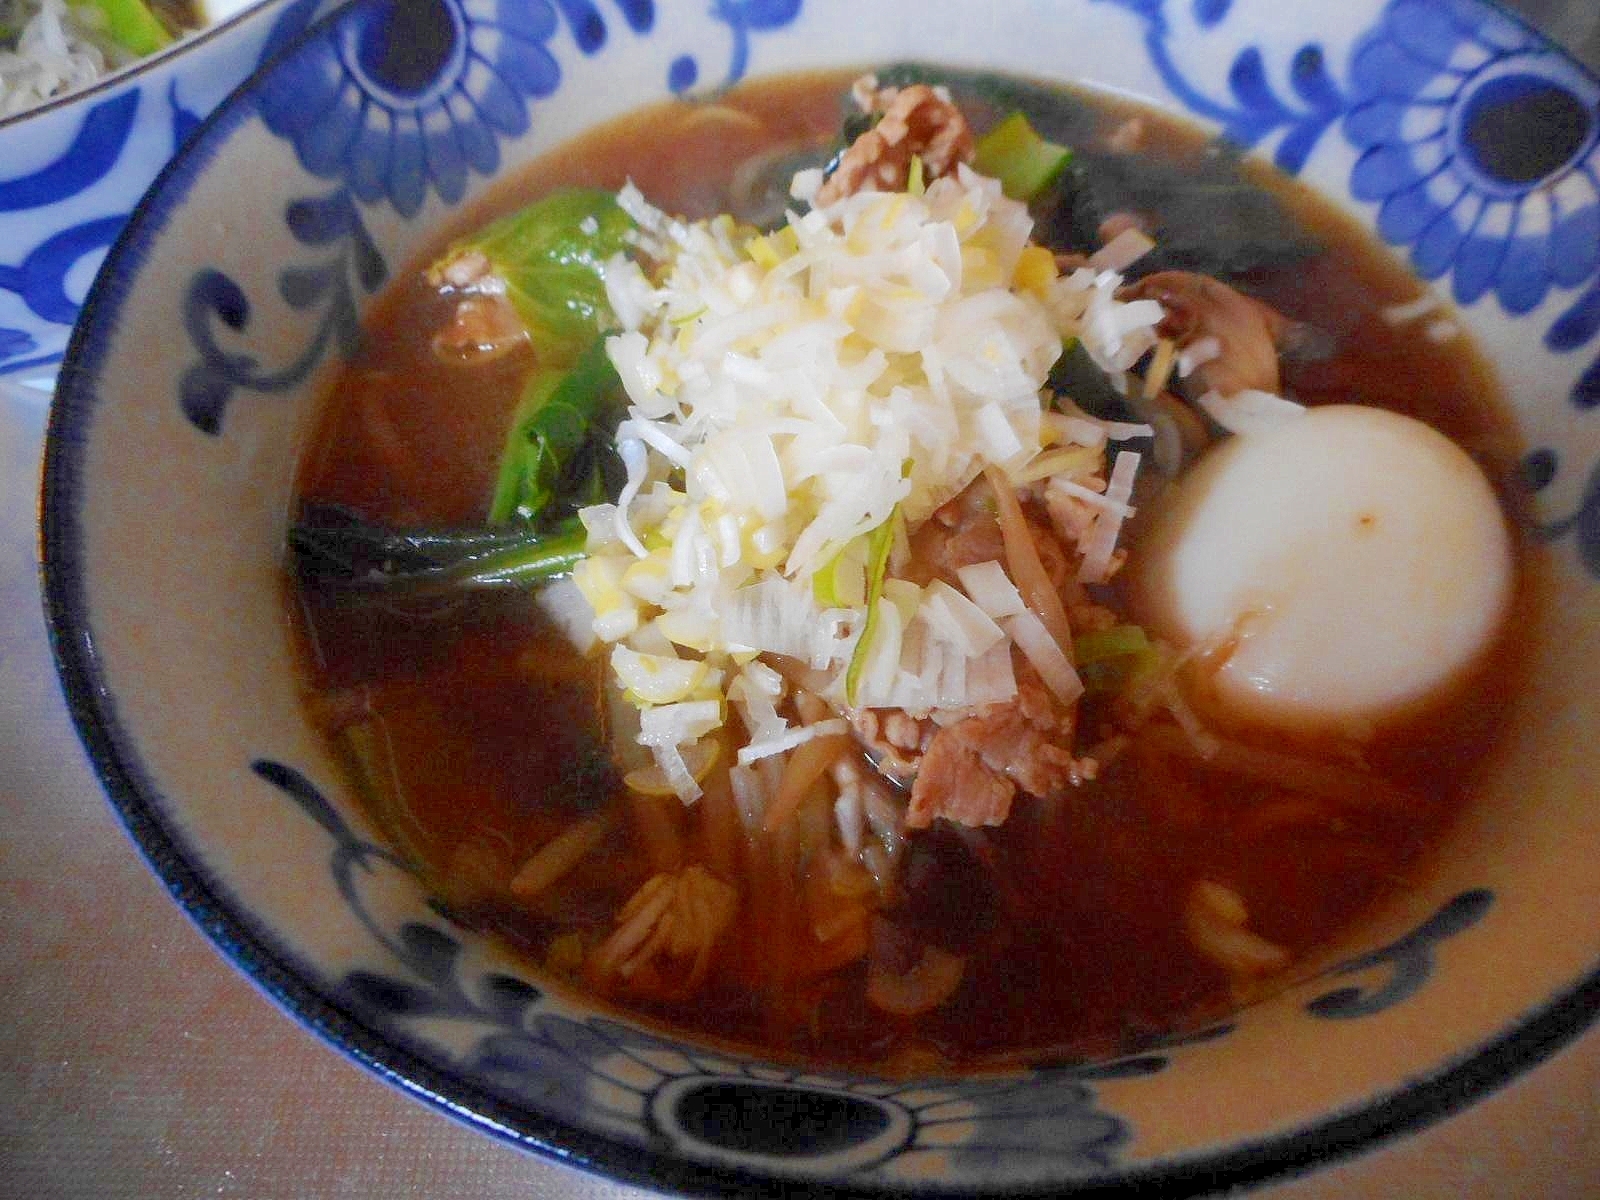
[72,170]
[414,97]
[392,113]
[1469,139]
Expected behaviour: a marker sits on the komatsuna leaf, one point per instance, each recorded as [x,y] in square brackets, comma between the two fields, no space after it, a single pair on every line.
[335,549]
[551,257]
[559,413]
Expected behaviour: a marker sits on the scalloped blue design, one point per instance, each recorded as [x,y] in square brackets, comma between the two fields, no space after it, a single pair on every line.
[1429,88]
[400,99]
[1409,960]
[1433,98]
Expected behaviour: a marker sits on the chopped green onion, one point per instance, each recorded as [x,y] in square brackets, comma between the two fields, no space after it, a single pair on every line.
[1023,162]
[842,583]
[1109,660]
[879,543]
[1115,642]
[132,25]
[916,183]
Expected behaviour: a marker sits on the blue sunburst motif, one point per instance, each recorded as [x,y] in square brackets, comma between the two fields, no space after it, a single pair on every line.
[409,95]
[739,1113]
[1476,138]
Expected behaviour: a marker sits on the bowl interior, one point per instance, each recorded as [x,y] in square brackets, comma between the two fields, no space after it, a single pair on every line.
[223,311]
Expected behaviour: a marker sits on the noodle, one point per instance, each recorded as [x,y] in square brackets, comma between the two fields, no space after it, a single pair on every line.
[656,826]
[720,834]
[1349,785]
[806,765]
[1216,918]
[559,856]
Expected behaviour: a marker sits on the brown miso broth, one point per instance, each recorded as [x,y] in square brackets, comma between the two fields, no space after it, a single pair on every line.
[477,736]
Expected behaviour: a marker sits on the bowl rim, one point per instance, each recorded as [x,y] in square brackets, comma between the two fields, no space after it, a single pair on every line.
[273,968]
[140,66]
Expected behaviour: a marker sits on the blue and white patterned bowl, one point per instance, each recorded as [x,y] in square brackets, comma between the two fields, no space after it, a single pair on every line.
[238,284]
[72,170]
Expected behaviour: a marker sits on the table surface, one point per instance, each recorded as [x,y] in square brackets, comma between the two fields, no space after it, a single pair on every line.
[136,1062]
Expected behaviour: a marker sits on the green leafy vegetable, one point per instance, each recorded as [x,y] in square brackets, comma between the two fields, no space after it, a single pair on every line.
[132,25]
[558,415]
[1023,162]
[1076,377]
[335,548]
[552,256]
[1207,213]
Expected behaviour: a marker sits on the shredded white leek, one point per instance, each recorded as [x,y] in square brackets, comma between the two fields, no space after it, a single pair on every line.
[788,391]
[1249,411]
[1102,539]
[1122,251]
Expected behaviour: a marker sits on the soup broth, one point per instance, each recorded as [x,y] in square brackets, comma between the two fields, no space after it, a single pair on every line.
[478,736]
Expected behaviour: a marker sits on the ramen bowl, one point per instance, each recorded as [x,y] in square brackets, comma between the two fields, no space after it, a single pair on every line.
[228,303]
[72,169]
